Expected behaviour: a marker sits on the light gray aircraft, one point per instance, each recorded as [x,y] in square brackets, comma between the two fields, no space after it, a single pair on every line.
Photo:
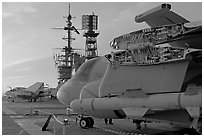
[31,93]
[156,75]
[11,93]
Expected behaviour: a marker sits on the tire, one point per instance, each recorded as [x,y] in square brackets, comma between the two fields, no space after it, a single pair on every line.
[84,123]
[138,126]
[91,121]
[188,131]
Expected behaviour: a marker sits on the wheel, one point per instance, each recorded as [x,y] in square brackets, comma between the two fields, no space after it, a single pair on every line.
[138,126]
[91,121]
[188,131]
[84,123]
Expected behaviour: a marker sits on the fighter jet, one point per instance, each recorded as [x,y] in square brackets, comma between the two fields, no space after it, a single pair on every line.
[31,93]
[11,93]
[155,76]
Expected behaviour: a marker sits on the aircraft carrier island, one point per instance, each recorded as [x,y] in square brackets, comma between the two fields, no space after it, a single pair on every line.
[150,84]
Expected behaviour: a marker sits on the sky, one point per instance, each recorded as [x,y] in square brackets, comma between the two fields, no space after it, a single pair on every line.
[27,37]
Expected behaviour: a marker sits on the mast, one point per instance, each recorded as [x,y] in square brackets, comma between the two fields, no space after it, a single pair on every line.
[64,60]
[69,24]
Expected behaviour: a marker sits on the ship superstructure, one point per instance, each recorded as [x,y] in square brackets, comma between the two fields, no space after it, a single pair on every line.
[67,60]
[90,25]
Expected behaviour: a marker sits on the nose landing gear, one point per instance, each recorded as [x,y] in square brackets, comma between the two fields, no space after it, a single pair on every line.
[86,122]
[137,123]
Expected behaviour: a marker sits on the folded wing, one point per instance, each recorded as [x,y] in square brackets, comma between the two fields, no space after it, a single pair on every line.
[160,15]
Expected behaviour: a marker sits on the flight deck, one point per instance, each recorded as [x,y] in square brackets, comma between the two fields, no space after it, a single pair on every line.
[18,120]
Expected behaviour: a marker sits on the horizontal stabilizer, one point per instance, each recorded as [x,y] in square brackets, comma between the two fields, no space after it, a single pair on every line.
[160,15]
[135,112]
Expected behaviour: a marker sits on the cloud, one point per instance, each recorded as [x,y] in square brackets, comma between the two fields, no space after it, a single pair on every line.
[131,11]
[16,11]
[29,9]
[18,8]
[23,69]
[125,12]
[18,62]
[14,77]
[7,14]
[123,15]
[27,60]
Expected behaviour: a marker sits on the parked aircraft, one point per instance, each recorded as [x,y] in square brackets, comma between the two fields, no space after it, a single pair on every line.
[12,91]
[31,93]
[146,80]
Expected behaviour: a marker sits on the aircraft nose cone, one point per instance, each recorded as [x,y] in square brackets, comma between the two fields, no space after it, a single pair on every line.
[62,93]
[69,91]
